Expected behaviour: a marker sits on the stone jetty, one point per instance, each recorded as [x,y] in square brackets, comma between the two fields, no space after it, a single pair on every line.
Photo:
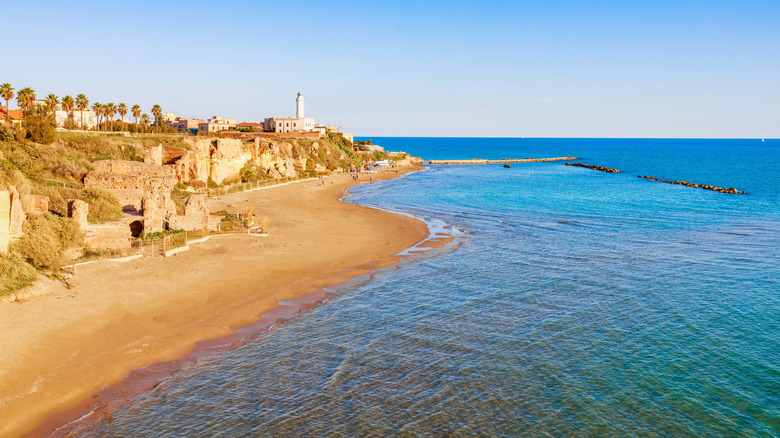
[729,190]
[594,167]
[503,161]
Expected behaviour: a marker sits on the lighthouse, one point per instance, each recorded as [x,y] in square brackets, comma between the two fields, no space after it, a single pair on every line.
[299,106]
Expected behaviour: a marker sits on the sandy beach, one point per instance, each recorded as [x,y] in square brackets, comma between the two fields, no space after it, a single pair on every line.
[62,346]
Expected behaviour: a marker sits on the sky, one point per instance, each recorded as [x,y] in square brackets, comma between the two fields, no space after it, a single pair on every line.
[708,69]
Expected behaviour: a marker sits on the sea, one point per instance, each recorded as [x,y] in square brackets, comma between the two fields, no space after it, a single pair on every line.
[571,303]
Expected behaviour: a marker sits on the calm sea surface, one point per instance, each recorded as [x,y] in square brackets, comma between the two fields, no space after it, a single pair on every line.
[579,303]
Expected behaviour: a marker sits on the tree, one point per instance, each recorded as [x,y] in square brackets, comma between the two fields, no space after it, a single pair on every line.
[136,110]
[110,110]
[67,105]
[157,112]
[7,92]
[39,122]
[98,109]
[25,98]
[122,109]
[52,101]
[82,103]
[145,120]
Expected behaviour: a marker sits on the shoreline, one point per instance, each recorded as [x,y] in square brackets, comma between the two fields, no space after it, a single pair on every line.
[67,346]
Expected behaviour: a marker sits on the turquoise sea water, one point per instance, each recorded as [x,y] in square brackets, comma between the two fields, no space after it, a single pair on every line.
[579,303]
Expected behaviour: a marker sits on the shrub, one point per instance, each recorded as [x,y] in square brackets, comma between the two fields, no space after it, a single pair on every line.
[39,123]
[103,205]
[70,124]
[231,180]
[212,184]
[46,237]
[6,133]
[247,174]
[15,273]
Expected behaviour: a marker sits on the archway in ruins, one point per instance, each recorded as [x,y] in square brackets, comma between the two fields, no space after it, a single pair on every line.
[137,228]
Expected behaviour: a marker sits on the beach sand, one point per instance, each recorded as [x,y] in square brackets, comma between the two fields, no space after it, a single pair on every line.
[62,346]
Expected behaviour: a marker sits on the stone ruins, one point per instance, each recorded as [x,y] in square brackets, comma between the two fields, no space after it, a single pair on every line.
[12,217]
[196,217]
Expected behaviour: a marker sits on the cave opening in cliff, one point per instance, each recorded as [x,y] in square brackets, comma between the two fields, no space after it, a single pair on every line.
[137,228]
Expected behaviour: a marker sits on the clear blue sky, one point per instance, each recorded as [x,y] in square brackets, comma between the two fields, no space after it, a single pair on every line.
[476,68]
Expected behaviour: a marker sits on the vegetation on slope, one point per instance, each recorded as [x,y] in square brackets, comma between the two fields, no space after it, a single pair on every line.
[39,164]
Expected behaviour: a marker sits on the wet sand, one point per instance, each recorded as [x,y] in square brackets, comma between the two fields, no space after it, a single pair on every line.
[63,346]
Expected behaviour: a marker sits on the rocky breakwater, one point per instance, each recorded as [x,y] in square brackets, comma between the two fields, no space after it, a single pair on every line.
[729,190]
[591,166]
[502,161]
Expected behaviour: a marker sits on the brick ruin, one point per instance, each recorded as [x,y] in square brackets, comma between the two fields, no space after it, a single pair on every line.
[140,188]
[144,188]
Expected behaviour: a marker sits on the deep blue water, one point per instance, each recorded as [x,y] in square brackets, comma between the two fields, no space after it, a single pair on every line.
[579,303]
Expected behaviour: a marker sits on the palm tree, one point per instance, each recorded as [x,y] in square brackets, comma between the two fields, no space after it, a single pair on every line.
[157,112]
[82,103]
[136,110]
[52,101]
[145,120]
[7,92]
[110,111]
[67,105]
[25,98]
[98,109]
[122,110]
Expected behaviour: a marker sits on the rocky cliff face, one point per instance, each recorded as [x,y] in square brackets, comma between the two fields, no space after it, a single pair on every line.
[223,159]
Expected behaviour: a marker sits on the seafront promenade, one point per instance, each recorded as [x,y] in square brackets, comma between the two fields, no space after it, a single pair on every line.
[502,161]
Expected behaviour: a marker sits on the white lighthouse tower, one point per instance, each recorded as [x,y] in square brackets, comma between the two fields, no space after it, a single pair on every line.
[299,106]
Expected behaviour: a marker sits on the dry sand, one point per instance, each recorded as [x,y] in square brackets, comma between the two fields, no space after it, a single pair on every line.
[59,348]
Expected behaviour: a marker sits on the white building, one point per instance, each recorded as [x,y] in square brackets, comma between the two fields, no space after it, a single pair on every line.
[216,124]
[299,123]
[89,118]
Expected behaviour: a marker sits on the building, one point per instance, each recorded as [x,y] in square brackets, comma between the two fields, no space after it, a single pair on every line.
[251,126]
[216,124]
[15,116]
[186,124]
[75,118]
[289,124]
[299,123]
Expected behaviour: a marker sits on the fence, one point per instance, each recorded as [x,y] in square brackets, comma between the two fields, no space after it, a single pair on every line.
[252,185]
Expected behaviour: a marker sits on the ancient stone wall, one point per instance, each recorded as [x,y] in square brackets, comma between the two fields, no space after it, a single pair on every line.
[195,217]
[132,181]
[154,155]
[78,210]
[12,217]
[214,222]
[39,204]
[109,236]
[154,210]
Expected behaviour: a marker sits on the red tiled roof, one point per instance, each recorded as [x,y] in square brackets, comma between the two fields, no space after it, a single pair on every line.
[15,114]
[248,124]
